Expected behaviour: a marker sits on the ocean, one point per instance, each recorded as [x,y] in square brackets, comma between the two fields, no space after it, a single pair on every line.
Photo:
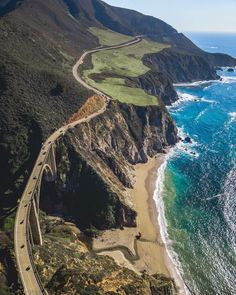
[196,186]
[214,42]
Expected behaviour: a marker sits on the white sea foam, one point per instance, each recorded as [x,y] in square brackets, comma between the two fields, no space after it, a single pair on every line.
[226,68]
[227,80]
[232,117]
[208,100]
[185,148]
[201,114]
[215,197]
[158,198]
[194,84]
[229,203]
[184,97]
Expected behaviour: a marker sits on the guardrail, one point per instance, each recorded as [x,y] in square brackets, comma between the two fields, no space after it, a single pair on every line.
[33,267]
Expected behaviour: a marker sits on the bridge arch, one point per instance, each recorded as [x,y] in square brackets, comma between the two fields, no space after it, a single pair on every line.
[48,173]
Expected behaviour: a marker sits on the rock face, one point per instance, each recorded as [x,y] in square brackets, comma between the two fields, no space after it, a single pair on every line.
[157,84]
[178,66]
[96,164]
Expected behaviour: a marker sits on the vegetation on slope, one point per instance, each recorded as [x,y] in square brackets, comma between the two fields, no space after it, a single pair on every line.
[71,273]
[37,89]
[112,67]
[108,37]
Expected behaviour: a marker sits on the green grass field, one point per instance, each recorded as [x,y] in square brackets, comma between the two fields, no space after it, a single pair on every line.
[125,62]
[108,37]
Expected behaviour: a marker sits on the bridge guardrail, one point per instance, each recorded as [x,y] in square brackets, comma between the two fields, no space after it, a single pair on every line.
[33,267]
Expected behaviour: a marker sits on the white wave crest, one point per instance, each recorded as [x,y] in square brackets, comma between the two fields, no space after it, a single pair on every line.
[227,80]
[194,84]
[208,100]
[201,114]
[158,198]
[230,197]
[184,97]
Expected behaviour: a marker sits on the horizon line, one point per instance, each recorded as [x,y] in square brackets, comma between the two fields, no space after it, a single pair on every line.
[200,31]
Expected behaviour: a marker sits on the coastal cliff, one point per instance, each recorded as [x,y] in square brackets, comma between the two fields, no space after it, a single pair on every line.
[40,42]
[155,83]
[179,66]
[102,152]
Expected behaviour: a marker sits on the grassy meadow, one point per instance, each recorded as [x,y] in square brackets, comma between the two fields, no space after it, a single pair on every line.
[115,65]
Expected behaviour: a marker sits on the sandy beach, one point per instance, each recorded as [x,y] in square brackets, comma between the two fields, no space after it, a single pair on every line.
[150,247]
[149,252]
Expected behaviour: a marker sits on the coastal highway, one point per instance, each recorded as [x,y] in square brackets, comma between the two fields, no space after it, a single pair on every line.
[22,238]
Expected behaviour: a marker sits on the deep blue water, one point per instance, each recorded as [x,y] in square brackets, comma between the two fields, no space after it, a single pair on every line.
[214,42]
[200,186]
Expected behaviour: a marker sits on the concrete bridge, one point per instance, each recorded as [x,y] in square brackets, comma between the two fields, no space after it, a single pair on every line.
[49,172]
[27,230]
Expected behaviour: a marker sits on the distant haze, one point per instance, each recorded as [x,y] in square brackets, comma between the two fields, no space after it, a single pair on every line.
[188,15]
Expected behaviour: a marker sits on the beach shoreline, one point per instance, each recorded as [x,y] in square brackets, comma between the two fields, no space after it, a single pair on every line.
[148,173]
[150,248]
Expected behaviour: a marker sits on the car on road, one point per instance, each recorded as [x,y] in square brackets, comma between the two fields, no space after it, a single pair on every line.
[22,221]
[40,164]
[27,268]
[35,178]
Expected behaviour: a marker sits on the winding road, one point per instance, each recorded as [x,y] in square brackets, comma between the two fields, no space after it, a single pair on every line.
[22,239]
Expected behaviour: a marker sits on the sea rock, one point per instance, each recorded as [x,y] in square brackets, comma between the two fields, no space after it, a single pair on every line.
[230,70]
[219,69]
[188,139]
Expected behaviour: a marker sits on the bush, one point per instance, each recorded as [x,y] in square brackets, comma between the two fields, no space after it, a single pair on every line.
[91,232]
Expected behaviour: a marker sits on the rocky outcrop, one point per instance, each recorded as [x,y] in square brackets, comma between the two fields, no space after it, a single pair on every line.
[220,59]
[80,271]
[95,164]
[179,66]
[156,84]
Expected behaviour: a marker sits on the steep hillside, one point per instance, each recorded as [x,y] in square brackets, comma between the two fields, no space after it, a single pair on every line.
[72,273]
[102,152]
[40,42]
[131,22]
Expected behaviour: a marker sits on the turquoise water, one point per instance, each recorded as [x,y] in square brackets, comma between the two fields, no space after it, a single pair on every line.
[199,190]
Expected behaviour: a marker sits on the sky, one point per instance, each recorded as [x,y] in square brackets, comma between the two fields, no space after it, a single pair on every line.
[188,15]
